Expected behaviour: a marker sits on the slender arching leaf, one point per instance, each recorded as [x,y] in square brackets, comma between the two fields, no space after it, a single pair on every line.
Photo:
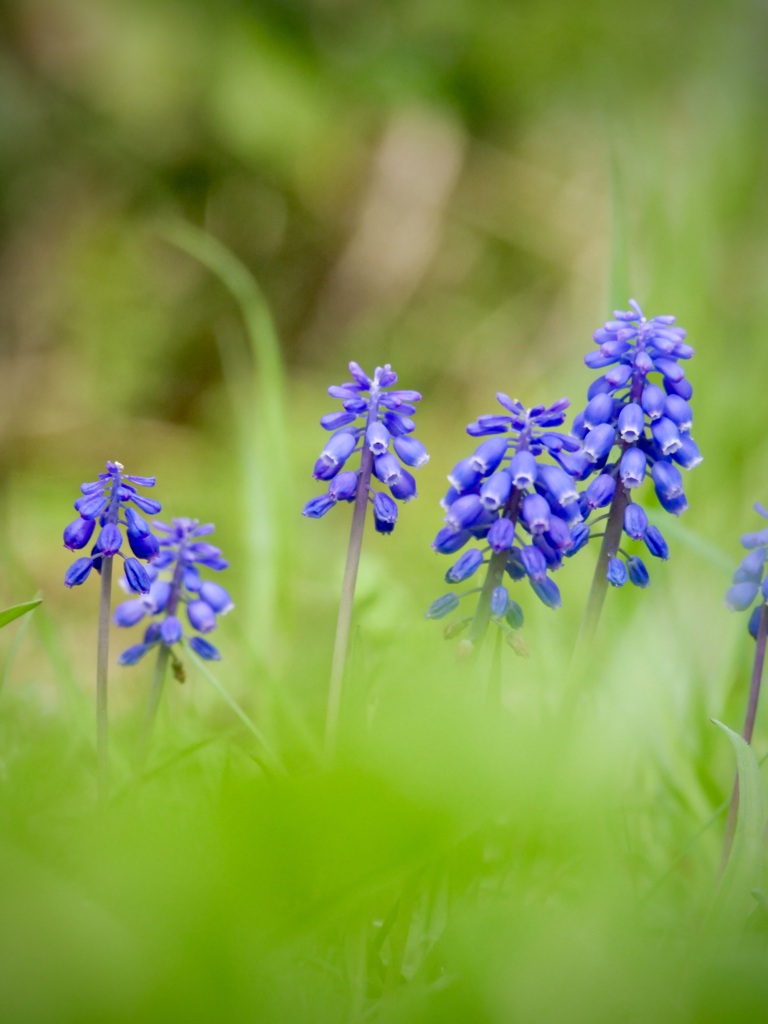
[15,612]
[733,900]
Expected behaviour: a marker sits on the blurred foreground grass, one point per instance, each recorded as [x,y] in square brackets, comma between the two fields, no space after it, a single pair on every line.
[450,865]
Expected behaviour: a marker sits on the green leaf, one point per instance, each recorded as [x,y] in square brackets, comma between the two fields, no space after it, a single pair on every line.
[675,530]
[733,900]
[9,614]
[260,407]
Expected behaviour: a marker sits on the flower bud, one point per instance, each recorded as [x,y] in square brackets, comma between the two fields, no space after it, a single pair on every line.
[599,441]
[740,596]
[442,606]
[631,423]
[600,492]
[203,649]
[666,435]
[535,513]
[523,470]
[344,486]
[487,456]
[547,591]
[377,438]
[201,617]
[404,487]
[129,613]
[635,521]
[499,601]
[632,467]
[496,490]
[466,566]
[170,630]
[655,543]
[78,572]
[617,572]
[501,535]
[110,540]
[217,597]
[653,401]
[78,533]
[449,541]
[534,563]
[411,452]
[384,513]
[638,574]
[136,576]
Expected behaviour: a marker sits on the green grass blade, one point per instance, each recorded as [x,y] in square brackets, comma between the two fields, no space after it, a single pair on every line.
[742,874]
[673,529]
[15,612]
[274,760]
[260,410]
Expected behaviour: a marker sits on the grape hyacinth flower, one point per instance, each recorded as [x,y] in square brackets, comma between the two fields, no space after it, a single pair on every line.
[636,424]
[107,502]
[749,592]
[374,420]
[523,511]
[182,554]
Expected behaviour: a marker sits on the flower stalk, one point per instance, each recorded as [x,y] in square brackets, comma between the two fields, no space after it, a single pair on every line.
[386,425]
[102,667]
[346,604]
[104,501]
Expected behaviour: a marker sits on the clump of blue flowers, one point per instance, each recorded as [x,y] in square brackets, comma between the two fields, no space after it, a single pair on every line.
[376,422]
[522,511]
[637,422]
[182,553]
[107,501]
[750,583]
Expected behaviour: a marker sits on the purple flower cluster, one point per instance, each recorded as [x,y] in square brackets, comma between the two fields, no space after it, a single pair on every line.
[524,512]
[107,501]
[375,421]
[182,552]
[639,405]
[750,582]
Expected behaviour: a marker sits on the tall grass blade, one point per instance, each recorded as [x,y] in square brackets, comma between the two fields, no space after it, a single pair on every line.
[742,874]
[17,610]
[260,408]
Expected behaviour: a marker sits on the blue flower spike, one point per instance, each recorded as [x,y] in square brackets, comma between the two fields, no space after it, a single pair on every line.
[636,425]
[375,417]
[108,506]
[177,590]
[375,420]
[749,588]
[519,512]
[106,503]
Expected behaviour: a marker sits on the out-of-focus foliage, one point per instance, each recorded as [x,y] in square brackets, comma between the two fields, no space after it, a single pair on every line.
[463,189]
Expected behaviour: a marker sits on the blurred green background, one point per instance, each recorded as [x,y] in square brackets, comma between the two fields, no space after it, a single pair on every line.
[464,190]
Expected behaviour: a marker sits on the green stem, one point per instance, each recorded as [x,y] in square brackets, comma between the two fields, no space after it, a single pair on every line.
[493,576]
[102,663]
[493,694]
[344,621]
[608,549]
[155,693]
